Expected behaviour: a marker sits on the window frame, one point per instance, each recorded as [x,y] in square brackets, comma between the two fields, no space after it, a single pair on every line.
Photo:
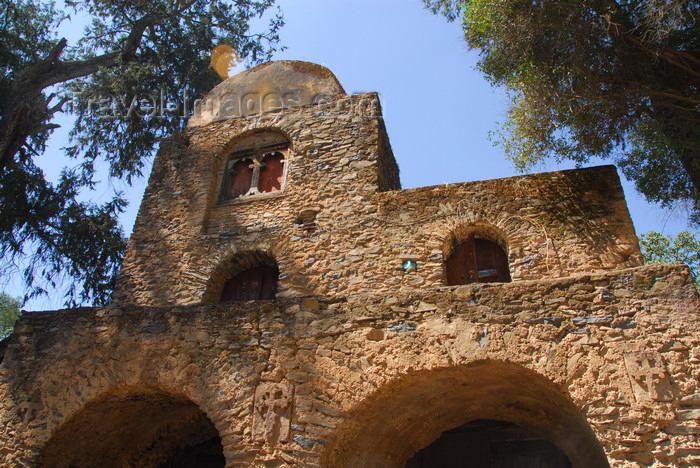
[257,156]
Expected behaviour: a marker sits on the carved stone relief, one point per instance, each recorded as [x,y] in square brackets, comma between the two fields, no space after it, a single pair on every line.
[273,412]
[647,373]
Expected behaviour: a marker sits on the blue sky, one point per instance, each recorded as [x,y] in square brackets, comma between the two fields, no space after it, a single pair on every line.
[438,109]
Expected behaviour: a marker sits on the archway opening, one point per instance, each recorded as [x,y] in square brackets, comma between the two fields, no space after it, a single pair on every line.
[253,284]
[489,444]
[136,427]
[414,411]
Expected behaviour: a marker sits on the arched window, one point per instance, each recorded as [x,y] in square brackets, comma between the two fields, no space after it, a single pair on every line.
[254,171]
[256,283]
[476,260]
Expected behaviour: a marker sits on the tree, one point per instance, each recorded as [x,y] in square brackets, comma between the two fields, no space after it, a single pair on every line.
[127,81]
[9,313]
[605,78]
[684,248]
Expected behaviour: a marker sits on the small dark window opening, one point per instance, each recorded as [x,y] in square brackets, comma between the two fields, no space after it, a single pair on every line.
[254,171]
[477,261]
[254,284]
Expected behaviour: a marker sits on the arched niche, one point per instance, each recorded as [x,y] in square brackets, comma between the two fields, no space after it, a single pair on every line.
[411,413]
[476,254]
[255,164]
[136,426]
[245,276]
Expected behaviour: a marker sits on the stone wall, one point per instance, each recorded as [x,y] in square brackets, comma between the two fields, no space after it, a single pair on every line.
[340,167]
[371,378]
[357,362]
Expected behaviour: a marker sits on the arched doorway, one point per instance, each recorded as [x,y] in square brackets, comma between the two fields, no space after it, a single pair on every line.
[136,427]
[414,411]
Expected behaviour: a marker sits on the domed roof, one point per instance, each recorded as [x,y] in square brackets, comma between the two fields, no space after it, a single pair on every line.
[267,87]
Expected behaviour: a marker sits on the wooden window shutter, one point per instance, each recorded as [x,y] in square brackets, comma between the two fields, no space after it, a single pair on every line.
[272,172]
[240,179]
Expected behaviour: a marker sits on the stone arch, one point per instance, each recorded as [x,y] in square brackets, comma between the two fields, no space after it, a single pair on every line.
[410,413]
[136,426]
[499,228]
[258,135]
[492,238]
[233,265]
[482,230]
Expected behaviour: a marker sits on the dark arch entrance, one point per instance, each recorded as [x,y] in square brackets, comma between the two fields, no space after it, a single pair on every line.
[409,414]
[253,284]
[136,427]
[489,444]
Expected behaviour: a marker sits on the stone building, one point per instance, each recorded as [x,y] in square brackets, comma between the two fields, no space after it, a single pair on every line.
[283,302]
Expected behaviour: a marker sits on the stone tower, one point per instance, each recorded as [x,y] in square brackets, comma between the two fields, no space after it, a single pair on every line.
[284,303]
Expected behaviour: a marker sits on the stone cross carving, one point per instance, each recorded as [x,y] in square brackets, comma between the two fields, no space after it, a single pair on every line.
[648,376]
[273,412]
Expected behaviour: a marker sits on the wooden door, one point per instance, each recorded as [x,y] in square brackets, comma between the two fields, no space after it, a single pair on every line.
[253,284]
[477,261]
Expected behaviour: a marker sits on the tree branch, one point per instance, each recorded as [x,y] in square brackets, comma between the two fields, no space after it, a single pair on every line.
[15,124]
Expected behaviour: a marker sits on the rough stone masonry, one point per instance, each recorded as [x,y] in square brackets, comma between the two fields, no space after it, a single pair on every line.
[363,352]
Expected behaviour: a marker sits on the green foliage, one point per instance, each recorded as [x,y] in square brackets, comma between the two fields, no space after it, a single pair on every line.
[9,313]
[602,78]
[684,249]
[131,54]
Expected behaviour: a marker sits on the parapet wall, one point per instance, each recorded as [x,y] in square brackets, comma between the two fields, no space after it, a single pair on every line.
[615,355]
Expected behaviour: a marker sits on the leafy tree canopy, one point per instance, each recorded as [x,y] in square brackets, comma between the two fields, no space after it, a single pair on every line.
[606,78]
[684,248]
[128,81]
[9,313]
